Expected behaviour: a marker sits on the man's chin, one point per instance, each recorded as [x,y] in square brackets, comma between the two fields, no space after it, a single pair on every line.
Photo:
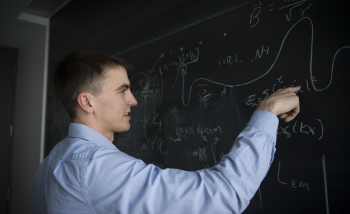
[123,130]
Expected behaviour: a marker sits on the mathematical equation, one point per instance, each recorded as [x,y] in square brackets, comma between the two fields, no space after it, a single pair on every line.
[254,99]
[303,128]
[231,59]
[201,152]
[200,130]
[289,6]
[151,143]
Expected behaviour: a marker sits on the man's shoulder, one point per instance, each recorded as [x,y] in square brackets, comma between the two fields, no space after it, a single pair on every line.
[73,148]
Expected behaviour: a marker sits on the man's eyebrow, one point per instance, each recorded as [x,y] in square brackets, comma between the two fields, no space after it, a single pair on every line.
[124,86]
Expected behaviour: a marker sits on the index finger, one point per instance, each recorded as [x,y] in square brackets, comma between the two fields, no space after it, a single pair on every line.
[294,89]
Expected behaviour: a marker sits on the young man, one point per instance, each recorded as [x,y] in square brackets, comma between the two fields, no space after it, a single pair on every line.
[86,173]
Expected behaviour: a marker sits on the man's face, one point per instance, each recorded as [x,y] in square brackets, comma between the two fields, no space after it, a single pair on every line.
[112,105]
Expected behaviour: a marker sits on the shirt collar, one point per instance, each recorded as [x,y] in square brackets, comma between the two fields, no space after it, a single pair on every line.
[77,130]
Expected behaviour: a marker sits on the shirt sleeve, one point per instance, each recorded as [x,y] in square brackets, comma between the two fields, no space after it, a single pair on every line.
[113,182]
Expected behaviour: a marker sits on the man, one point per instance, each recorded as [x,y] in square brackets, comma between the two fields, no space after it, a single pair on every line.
[86,173]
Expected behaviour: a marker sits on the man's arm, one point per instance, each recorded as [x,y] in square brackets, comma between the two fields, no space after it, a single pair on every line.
[127,185]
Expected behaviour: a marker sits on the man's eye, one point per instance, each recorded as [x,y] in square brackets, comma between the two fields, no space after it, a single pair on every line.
[123,91]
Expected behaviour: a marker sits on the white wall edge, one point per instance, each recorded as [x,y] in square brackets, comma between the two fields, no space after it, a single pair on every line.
[34,19]
[45,79]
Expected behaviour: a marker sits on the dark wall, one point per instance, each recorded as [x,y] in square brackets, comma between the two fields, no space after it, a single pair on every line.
[201,67]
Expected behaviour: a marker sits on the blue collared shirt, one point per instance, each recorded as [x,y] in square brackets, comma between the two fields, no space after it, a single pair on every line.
[86,173]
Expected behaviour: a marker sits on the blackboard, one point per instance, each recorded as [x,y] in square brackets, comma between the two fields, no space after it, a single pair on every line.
[200,70]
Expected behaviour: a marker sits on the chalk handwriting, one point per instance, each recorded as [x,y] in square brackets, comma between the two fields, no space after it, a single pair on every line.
[300,127]
[148,87]
[254,99]
[313,79]
[127,141]
[155,144]
[229,60]
[185,58]
[200,130]
[289,7]
[213,149]
[293,181]
[254,16]
[200,152]
[259,53]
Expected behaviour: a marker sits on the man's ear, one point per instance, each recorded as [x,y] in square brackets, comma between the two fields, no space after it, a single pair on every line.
[84,101]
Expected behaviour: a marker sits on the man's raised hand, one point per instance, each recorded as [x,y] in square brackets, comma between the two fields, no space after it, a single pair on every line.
[284,103]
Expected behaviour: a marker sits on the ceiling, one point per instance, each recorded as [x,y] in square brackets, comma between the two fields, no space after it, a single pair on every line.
[15,32]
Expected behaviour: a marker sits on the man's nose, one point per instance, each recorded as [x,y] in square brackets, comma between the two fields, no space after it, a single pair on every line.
[132,101]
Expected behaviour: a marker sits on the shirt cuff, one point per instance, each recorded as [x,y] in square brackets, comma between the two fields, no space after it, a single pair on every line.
[265,121]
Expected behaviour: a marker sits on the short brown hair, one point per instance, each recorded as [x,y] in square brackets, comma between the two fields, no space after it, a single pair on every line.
[83,71]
